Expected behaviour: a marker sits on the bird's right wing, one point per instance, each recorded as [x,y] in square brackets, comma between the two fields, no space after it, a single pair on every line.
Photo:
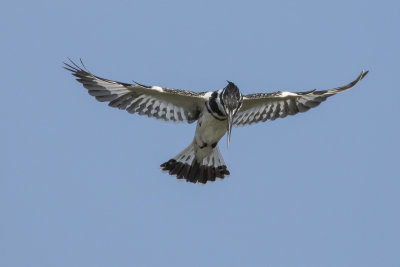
[270,106]
[152,101]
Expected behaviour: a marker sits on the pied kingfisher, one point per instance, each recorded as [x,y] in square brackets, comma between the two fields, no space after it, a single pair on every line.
[215,113]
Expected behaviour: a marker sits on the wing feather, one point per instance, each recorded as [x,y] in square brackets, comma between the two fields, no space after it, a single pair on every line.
[152,101]
[270,106]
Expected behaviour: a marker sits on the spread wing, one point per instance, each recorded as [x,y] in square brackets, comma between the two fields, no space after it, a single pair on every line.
[152,101]
[262,107]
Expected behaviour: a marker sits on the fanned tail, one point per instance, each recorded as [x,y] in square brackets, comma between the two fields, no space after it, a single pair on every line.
[186,166]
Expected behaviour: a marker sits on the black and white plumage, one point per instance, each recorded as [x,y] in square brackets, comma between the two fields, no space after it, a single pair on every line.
[215,113]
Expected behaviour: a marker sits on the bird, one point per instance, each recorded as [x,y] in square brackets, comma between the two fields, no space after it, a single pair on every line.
[215,112]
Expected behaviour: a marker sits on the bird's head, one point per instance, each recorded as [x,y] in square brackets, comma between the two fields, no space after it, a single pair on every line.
[232,100]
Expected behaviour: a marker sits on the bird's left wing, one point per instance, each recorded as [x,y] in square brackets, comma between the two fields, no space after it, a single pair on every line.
[152,101]
[262,107]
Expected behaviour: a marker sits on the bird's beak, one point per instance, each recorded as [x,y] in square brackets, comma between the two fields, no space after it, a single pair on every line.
[229,120]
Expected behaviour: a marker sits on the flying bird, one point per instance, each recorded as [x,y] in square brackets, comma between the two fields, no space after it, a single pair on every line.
[215,112]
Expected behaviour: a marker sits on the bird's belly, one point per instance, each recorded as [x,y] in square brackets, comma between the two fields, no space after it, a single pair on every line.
[209,130]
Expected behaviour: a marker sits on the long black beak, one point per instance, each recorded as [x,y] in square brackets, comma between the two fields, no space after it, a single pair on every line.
[229,121]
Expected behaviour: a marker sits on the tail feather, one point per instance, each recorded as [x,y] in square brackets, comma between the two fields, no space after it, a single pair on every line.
[186,166]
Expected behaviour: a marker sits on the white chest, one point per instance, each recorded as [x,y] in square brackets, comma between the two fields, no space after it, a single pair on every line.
[209,130]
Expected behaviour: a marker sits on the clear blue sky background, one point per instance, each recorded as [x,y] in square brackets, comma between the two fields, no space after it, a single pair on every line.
[80,183]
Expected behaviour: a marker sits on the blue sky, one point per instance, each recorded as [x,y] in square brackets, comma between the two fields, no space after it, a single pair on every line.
[80,183]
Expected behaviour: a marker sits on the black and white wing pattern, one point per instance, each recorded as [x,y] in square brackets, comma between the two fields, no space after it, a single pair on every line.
[152,101]
[262,107]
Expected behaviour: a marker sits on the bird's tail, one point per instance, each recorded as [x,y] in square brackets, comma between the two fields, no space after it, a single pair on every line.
[186,166]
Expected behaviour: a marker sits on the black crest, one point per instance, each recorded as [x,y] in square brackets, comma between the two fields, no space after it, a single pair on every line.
[231,96]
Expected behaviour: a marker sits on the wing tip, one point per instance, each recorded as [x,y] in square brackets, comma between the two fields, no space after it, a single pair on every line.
[359,78]
[351,84]
[363,74]
[74,67]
